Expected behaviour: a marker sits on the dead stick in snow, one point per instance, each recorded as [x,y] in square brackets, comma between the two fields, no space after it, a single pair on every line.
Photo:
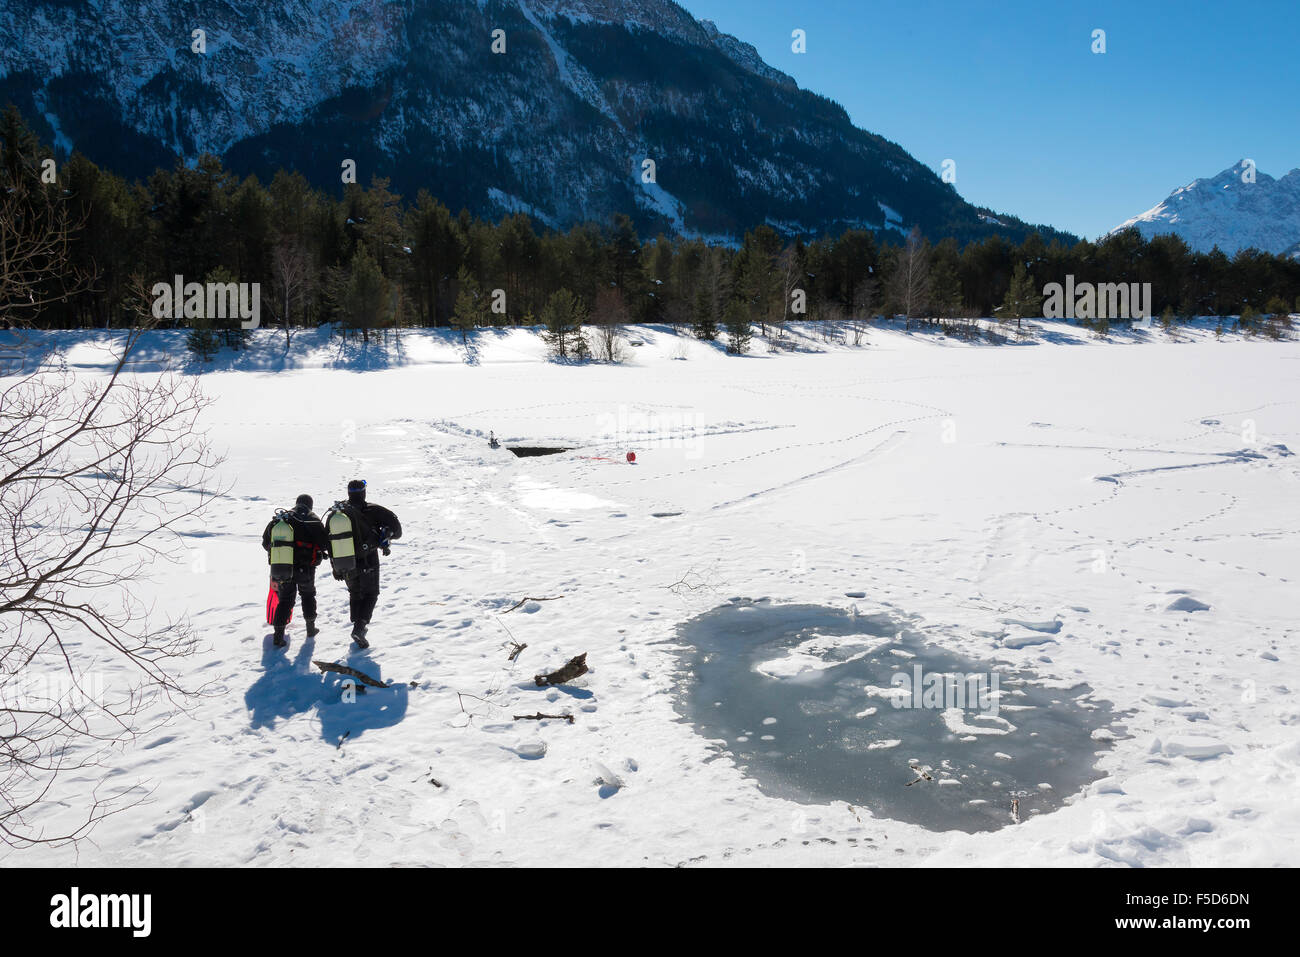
[572,669]
[524,601]
[518,648]
[345,670]
[542,717]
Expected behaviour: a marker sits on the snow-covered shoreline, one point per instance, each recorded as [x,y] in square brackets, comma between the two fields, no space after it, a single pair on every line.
[325,347]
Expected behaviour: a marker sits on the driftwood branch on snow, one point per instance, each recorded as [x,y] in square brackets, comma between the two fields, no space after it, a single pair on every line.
[345,670]
[524,601]
[572,669]
[542,717]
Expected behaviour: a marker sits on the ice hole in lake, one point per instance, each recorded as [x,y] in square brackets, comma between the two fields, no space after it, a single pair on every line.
[821,704]
[528,451]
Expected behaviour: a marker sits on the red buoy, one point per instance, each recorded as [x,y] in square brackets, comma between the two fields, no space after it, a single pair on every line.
[631,458]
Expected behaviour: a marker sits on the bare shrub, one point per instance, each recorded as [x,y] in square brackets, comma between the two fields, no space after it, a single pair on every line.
[97,475]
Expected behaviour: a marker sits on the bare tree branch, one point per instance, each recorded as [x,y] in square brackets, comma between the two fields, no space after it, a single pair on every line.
[37,228]
[523,601]
[100,474]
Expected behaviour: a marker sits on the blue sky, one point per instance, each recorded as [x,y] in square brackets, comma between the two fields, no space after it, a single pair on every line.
[1039,125]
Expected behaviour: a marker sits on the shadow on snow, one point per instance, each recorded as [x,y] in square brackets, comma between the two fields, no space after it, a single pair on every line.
[288,687]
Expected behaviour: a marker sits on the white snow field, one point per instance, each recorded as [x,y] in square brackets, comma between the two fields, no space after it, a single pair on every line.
[987,492]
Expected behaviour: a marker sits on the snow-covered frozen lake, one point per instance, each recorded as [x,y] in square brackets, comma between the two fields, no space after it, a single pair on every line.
[1122,516]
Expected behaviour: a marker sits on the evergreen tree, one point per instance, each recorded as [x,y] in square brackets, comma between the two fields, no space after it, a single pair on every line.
[1248,321]
[945,284]
[203,341]
[1278,323]
[759,278]
[739,330]
[1022,299]
[519,252]
[18,148]
[365,299]
[623,251]
[230,330]
[471,305]
[435,253]
[563,316]
[842,266]
[705,324]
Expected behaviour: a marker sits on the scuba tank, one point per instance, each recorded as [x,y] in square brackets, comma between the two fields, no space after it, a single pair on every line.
[282,543]
[342,540]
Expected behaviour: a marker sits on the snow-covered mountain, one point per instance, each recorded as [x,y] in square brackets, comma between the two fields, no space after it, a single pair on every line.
[1230,211]
[558,125]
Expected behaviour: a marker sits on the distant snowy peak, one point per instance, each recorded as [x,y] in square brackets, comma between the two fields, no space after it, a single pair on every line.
[1240,208]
